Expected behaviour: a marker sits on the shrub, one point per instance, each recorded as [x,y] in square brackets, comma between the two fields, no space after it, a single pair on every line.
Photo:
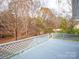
[67,26]
[48,30]
[76,31]
[5,36]
[63,25]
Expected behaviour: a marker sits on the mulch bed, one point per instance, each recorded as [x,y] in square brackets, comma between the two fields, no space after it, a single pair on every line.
[5,40]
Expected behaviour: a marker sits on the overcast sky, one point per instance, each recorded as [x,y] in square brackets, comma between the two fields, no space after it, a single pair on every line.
[63,8]
[51,4]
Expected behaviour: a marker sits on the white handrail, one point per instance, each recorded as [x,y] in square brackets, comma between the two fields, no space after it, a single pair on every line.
[12,48]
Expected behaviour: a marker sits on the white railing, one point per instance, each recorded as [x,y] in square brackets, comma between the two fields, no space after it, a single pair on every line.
[65,36]
[12,48]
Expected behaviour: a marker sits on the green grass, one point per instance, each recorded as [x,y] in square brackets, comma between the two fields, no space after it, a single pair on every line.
[72,40]
[68,40]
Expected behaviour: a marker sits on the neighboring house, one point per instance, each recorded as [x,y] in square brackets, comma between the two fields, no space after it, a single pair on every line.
[75,12]
[75,9]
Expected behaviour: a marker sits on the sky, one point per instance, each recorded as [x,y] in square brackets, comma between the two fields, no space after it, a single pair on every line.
[52,4]
[63,9]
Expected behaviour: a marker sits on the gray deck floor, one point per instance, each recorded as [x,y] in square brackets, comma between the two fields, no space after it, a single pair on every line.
[52,49]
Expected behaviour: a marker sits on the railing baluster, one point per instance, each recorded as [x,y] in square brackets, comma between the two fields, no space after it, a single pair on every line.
[12,48]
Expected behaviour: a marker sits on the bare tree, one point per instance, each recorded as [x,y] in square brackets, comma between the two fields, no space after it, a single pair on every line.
[22,9]
[7,22]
